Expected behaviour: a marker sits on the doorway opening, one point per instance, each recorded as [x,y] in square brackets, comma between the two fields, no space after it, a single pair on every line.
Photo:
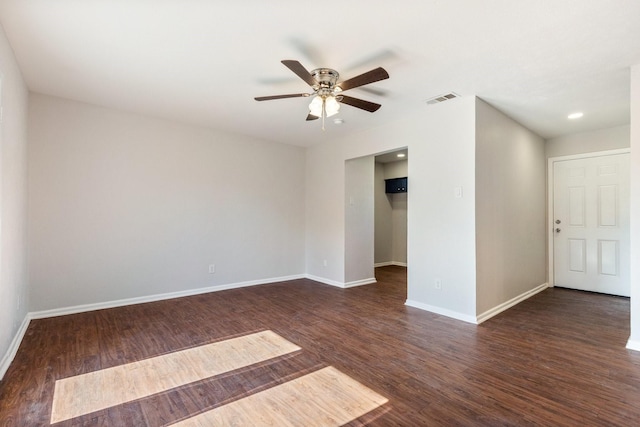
[391,190]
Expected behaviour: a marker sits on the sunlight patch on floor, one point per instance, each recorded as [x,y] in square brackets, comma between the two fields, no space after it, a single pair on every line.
[83,394]
[326,397]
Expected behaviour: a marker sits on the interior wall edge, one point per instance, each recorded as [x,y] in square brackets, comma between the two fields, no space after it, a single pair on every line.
[13,347]
[14,280]
[362,282]
[508,304]
[382,264]
[325,281]
[441,311]
[635,206]
[387,263]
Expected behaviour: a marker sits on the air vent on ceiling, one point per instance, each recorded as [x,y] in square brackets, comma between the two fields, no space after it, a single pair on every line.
[442,98]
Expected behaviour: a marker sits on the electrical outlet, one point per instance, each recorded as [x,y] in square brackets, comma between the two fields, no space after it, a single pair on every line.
[437,284]
[212,268]
[324,263]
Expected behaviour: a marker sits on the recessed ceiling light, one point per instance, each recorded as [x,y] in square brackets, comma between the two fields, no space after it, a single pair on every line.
[338,121]
[575,116]
[401,155]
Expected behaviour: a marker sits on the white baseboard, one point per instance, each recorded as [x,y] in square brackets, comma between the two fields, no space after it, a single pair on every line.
[633,345]
[508,304]
[382,264]
[487,314]
[325,281]
[13,347]
[387,263]
[342,285]
[442,311]
[360,282]
[158,297]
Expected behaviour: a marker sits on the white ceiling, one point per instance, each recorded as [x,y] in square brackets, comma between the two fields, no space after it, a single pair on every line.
[392,156]
[202,62]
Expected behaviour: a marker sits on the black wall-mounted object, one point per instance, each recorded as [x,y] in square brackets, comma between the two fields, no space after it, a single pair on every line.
[395,185]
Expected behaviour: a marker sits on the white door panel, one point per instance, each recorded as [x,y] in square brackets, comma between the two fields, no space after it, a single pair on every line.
[591,224]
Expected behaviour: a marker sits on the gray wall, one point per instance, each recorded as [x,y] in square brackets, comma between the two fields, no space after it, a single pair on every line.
[510,208]
[359,225]
[124,206]
[13,193]
[391,216]
[588,142]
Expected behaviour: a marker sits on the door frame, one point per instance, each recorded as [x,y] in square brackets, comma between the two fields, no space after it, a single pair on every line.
[550,185]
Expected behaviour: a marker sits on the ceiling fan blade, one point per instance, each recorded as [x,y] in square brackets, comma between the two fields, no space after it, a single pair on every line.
[292,95]
[384,55]
[309,51]
[312,117]
[360,103]
[300,71]
[364,79]
[374,91]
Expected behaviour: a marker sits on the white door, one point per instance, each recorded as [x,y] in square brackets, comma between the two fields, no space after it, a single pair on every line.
[591,224]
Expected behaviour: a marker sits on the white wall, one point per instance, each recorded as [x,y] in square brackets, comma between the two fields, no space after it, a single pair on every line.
[13,193]
[383,219]
[441,243]
[359,222]
[634,339]
[124,206]
[510,208]
[588,142]
[441,240]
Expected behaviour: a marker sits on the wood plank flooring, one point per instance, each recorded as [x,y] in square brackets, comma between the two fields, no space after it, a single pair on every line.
[556,359]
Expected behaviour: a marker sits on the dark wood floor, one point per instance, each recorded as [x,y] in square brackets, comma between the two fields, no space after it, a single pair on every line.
[558,358]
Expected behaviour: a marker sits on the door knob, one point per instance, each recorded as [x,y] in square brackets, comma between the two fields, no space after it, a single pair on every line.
[558,221]
[557,230]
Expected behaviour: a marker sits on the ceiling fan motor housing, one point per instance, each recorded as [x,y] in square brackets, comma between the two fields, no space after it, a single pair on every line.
[326,78]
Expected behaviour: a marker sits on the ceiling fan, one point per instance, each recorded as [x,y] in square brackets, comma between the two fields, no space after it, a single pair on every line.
[327,92]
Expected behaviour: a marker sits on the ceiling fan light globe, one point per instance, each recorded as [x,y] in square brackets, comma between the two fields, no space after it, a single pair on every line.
[332,106]
[315,107]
